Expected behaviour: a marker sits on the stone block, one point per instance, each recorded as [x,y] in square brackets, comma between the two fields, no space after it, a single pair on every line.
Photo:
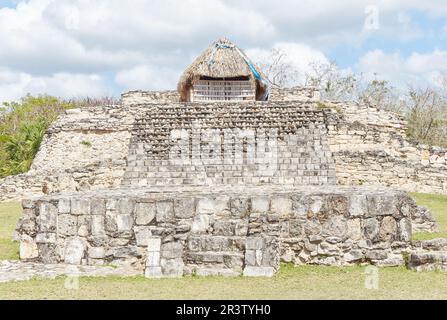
[259,272]
[154,244]
[358,205]
[371,228]
[184,208]
[164,211]
[353,256]
[206,206]
[46,238]
[74,251]
[405,230]
[254,243]
[281,206]
[153,272]
[153,259]
[47,218]
[64,206]
[67,225]
[201,223]
[388,229]
[335,226]
[260,204]
[142,236]
[124,222]
[250,258]
[98,226]
[145,213]
[239,207]
[171,250]
[28,248]
[98,207]
[126,207]
[172,268]
[354,231]
[80,206]
[96,252]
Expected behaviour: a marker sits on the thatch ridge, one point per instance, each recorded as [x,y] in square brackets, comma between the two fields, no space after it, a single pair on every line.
[222,59]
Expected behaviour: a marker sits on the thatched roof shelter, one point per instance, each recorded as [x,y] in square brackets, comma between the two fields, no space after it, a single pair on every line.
[224,62]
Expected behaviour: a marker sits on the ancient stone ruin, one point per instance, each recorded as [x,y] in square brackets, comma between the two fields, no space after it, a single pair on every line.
[228,187]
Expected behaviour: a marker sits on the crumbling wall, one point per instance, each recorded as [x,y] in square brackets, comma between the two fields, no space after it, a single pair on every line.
[84,149]
[370,147]
[172,232]
[142,97]
[294,94]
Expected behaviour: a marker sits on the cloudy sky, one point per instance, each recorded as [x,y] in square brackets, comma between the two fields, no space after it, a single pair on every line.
[104,47]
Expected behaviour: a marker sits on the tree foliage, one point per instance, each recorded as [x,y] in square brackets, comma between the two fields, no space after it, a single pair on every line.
[22,127]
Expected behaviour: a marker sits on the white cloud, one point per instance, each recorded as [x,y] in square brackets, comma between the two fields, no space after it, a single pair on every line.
[14,85]
[147,43]
[146,77]
[416,69]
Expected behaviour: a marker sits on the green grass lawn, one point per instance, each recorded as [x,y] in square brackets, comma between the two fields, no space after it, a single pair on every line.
[9,215]
[438,206]
[303,282]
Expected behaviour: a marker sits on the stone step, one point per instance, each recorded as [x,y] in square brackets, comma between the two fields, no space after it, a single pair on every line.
[229,259]
[439,244]
[428,261]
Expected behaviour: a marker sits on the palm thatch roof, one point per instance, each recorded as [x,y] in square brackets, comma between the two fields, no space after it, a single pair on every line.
[222,60]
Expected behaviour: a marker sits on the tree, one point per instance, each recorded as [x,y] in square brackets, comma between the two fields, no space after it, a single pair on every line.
[331,81]
[278,71]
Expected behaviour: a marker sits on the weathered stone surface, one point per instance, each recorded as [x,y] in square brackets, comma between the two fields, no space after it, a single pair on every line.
[74,251]
[153,272]
[67,225]
[371,228]
[47,217]
[145,213]
[206,206]
[28,248]
[96,253]
[388,229]
[154,244]
[184,208]
[142,235]
[172,267]
[259,272]
[201,223]
[260,204]
[282,206]
[165,211]
[80,206]
[124,222]
[240,234]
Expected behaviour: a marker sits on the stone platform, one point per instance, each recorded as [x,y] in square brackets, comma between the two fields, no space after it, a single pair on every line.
[170,232]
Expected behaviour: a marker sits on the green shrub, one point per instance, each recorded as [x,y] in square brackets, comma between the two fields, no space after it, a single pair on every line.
[22,127]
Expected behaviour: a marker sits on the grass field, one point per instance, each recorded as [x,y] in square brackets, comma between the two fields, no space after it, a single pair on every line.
[303,282]
[9,215]
[438,206]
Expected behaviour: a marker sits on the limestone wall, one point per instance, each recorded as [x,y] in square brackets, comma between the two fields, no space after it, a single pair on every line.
[142,97]
[232,144]
[294,94]
[84,149]
[172,232]
[369,147]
